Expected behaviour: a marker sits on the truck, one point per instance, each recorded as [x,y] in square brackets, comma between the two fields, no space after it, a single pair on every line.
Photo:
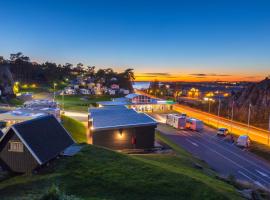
[176,121]
[194,124]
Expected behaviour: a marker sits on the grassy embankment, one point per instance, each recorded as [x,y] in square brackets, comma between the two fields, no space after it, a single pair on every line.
[97,173]
[75,128]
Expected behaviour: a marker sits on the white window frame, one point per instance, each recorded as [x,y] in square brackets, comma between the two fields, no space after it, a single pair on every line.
[15,146]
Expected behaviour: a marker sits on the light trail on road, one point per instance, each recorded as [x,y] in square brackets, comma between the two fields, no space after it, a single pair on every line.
[256,134]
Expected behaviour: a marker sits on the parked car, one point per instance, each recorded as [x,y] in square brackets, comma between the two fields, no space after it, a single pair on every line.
[222,132]
[243,141]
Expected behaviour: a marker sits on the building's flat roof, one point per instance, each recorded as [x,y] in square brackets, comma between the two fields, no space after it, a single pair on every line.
[112,117]
[23,114]
[113,103]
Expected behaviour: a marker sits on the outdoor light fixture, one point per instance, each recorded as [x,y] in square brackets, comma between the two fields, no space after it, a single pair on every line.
[120,132]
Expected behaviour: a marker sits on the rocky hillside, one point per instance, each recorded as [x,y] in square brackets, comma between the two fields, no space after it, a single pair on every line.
[258,95]
[6,81]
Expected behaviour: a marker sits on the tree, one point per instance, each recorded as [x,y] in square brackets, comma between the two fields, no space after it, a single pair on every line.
[19,57]
[90,71]
[126,78]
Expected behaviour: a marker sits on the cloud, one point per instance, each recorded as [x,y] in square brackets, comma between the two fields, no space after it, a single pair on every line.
[205,75]
[157,74]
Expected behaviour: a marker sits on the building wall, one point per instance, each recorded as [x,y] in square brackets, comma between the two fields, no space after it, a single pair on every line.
[113,139]
[16,161]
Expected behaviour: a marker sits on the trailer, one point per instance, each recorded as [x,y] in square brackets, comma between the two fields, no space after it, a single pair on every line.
[194,124]
[176,121]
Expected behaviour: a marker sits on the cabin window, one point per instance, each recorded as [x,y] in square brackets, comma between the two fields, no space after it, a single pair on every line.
[15,146]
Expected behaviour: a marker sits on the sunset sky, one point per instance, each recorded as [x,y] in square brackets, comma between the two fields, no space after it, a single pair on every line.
[164,40]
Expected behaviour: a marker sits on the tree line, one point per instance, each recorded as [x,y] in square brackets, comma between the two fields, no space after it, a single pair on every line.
[26,71]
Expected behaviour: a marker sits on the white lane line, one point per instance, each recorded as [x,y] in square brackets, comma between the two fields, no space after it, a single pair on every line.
[261,173]
[255,182]
[193,143]
[243,174]
[238,165]
[240,157]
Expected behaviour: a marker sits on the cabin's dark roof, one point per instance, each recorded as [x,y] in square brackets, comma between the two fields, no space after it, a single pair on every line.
[45,137]
[110,117]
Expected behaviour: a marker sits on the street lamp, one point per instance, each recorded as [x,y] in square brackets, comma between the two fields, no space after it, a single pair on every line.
[54,85]
[269,129]
[232,115]
[249,112]
[219,101]
[63,101]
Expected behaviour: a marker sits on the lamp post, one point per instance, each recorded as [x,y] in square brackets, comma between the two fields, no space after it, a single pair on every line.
[219,102]
[63,101]
[54,85]
[232,115]
[269,130]
[209,109]
[249,112]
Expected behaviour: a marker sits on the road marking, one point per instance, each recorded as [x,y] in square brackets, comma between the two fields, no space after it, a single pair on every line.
[235,163]
[255,182]
[243,174]
[261,173]
[193,143]
[240,157]
[238,165]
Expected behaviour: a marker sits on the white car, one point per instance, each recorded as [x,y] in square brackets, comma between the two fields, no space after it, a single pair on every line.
[222,132]
[243,141]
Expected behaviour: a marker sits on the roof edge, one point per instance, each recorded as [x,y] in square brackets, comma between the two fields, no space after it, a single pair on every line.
[25,143]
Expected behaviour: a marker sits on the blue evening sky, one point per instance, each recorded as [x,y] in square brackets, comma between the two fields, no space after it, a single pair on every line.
[176,37]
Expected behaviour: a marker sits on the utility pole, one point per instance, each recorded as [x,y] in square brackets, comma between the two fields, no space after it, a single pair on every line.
[232,115]
[54,85]
[209,105]
[53,91]
[63,101]
[209,109]
[219,102]
[249,112]
[269,130]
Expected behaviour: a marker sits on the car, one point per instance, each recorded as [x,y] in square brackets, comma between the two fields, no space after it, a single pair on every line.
[243,141]
[222,132]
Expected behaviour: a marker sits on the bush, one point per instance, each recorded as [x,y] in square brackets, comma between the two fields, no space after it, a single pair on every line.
[54,193]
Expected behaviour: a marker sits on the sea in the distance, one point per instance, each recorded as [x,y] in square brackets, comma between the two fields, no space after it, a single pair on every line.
[141,85]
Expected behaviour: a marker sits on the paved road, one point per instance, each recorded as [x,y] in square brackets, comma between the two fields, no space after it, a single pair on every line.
[221,155]
[256,134]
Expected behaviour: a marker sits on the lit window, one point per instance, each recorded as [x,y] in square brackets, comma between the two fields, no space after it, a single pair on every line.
[15,146]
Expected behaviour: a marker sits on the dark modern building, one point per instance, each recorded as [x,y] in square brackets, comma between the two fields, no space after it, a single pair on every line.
[120,128]
[31,144]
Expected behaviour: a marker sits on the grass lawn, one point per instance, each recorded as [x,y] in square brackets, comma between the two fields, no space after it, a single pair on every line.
[12,102]
[97,173]
[75,128]
[80,102]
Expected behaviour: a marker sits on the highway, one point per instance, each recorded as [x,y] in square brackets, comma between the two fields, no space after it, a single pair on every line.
[221,154]
[255,134]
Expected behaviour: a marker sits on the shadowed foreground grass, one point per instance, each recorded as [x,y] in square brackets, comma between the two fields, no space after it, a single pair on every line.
[97,173]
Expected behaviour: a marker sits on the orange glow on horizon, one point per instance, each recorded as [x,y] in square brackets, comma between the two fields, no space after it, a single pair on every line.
[190,78]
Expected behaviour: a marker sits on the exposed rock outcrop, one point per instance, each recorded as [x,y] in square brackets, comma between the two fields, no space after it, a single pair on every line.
[258,95]
[6,81]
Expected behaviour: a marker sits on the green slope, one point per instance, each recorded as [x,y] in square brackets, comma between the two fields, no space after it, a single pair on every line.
[97,173]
